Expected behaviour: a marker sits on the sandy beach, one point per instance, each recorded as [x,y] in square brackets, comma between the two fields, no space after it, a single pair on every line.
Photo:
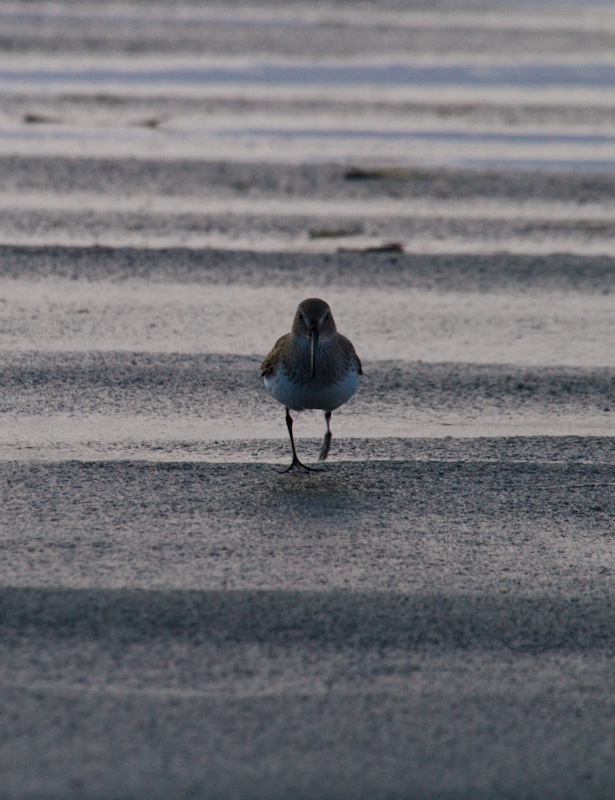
[433,616]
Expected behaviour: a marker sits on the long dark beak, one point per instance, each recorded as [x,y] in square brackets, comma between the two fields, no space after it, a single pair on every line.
[313,345]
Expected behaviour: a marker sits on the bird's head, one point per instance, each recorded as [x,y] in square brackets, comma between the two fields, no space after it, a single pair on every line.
[313,321]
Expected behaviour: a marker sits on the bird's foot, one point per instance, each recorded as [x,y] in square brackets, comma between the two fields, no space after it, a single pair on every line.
[296,463]
[324,450]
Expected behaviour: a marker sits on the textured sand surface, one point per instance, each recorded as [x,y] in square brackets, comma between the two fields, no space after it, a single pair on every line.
[433,616]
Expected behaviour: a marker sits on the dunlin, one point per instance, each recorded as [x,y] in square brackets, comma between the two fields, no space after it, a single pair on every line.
[313,366]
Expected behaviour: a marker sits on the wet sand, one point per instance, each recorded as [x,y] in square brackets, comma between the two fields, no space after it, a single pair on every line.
[432,616]
[437,626]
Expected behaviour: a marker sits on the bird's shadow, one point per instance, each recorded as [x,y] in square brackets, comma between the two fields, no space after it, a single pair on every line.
[337,491]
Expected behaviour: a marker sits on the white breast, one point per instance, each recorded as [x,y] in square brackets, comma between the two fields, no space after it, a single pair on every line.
[327,397]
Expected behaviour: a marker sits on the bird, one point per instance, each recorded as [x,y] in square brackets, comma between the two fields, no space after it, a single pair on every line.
[312,367]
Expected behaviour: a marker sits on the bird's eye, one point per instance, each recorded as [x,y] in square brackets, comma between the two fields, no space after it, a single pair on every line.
[327,315]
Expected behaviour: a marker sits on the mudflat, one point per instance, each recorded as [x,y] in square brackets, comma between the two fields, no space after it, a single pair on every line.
[433,626]
[432,616]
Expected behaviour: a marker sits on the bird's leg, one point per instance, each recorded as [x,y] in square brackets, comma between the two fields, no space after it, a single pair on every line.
[295,462]
[324,450]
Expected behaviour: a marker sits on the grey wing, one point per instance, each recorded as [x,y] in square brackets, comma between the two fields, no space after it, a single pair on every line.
[353,354]
[270,361]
